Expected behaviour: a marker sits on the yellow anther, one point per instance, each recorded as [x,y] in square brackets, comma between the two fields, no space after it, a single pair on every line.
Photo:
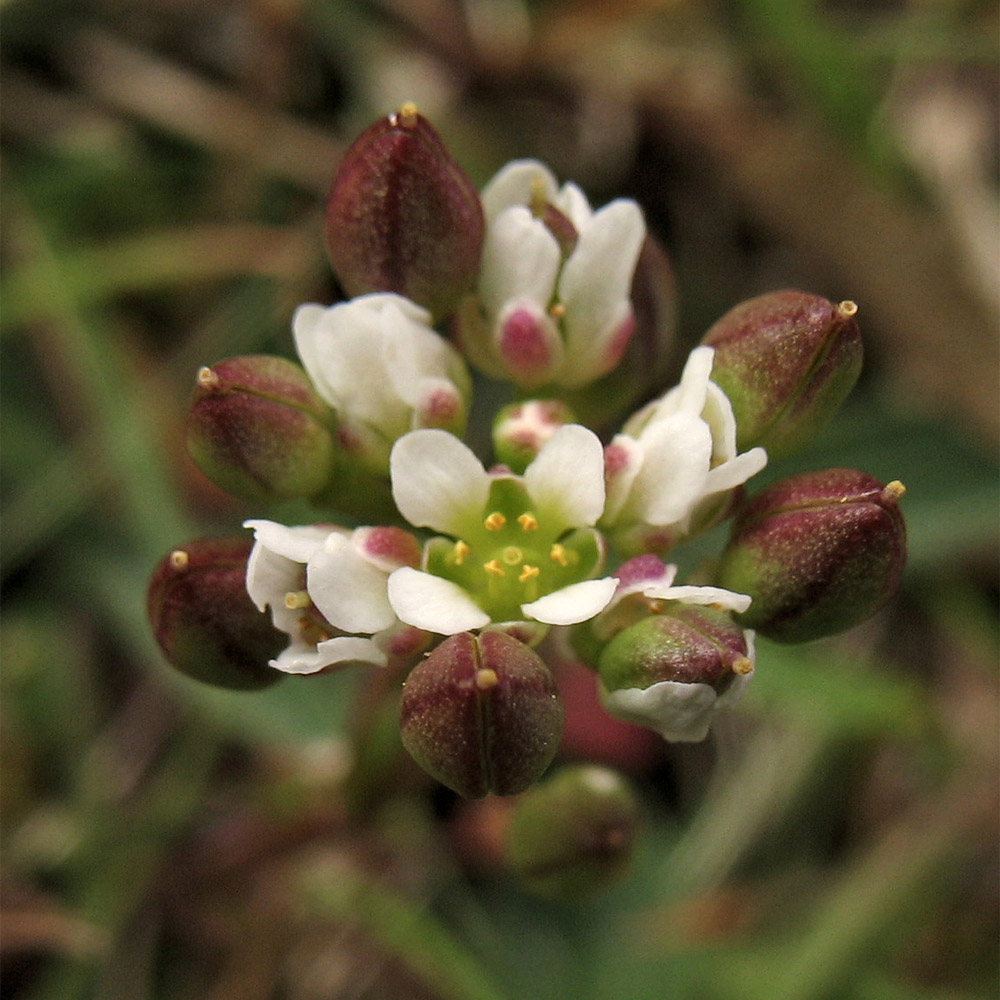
[461,551]
[486,678]
[528,521]
[207,379]
[407,115]
[179,559]
[512,555]
[295,599]
[557,310]
[528,572]
[495,521]
[847,308]
[743,666]
[494,568]
[558,554]
[893,490]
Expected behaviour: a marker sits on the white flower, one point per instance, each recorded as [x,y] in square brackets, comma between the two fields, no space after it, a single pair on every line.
[326,588]
[551,310]
[377,361]
[674,463]
[519,548]
[680,711]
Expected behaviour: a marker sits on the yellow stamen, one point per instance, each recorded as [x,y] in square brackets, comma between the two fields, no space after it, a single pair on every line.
[527,573]
[743,666]
[847,308]
[207,379]
[179,559]
[512,555]
[558,554]
[486,678]
[495,521]
[557,310]
[528,521]
[893,490]
[407,115]
[461,551]
[494,568]
[297,599]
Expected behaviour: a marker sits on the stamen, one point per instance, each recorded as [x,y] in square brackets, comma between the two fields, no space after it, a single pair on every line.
[179,559]
[557,310]
[461,550]
[295,599]
[743,666]
[528,572]
[558,554]
[495,521]
[528,521]
[486,678]
[494,568]
[512,555]
[406,116]
[207,379]
[893,490]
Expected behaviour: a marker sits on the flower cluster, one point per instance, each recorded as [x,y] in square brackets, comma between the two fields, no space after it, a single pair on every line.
[464,575]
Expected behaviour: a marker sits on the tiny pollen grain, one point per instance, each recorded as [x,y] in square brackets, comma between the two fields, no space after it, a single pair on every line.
[486,679]
[207,379]
[179,559]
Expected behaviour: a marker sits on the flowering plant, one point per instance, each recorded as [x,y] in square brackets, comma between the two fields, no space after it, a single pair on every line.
[468,578]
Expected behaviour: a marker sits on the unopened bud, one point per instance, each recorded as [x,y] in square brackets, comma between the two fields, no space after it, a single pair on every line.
[574,835]
[403,216]
[786,360]
[670,670]
[258,429]
[520,430]
[204,620]
[482,714]
[819,553]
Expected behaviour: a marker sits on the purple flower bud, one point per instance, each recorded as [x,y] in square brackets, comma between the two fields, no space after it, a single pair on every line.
[258,429]
[819,553]
[204,620]
[786,360]
[482,714]
[670,670]
[574,835]
[403,216]
[520,430]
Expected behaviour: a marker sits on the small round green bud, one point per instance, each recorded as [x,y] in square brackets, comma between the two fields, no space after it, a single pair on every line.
[819,553]
[258,429]
[786,360]
[669,670]
[482,714]
[204,620]
[404,217]
[520,430]
[574,835]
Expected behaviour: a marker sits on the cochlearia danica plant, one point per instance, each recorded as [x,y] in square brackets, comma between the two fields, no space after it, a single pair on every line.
[500,477]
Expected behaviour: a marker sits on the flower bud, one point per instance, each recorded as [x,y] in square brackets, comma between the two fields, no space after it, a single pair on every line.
[403,216]
[670,671]
[204,620]
[482,714]
[819,553]
[520,430]
[786,360]
[258,429]
[574,835]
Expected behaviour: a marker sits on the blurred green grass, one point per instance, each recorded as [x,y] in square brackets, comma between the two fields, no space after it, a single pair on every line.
[164,173]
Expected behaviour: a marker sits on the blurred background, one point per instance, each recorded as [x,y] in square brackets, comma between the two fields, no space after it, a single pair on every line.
[165,165]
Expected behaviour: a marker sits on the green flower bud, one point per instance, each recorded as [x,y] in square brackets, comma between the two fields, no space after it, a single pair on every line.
[258,429]
[520,430]
[671,670]
[786,360]
[819,553]
[482,714]
[574,835]
[204,620]
[403,216]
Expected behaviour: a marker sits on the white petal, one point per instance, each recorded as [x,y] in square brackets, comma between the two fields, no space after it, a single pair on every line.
[348,590]
[306,323]
[679,712]
[623,461]
[299,658]
[515,184]
[437,482]
[297,543]
[520,260]
[566,479]
[573,203]
[672,478]
[718,414]
[351,649]
[432,603]
[735,472]
[700,595]
[690,395]
[576,603]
